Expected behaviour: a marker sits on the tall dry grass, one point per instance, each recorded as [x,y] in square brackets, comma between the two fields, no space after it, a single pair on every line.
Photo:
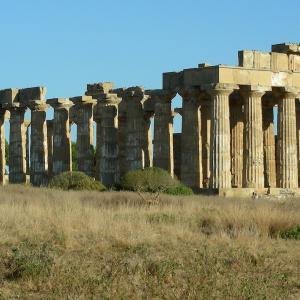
[91,245]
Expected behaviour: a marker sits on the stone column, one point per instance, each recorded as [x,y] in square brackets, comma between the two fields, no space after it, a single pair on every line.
[177,154]
[237,141]
[269,146]
[287,140]
[106,116]
[254,156]
[148,143]
[62,159]
[27,125]
[38,147]
[135,128]
[220,137]
[298,136]
[163,130]
[50,147]
[205,135]
[17,145]
[2,147]
[191,156]
[83,118]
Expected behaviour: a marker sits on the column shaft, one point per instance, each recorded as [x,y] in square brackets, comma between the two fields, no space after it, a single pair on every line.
[2,147]
[50,147]
[269,147]
[220,140]
[163,136]
[17,146]
[254,140]
[287,141]
[38,149]
[237,143]
[147,144]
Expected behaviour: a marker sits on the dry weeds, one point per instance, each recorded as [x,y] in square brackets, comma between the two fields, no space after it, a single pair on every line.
[91,245]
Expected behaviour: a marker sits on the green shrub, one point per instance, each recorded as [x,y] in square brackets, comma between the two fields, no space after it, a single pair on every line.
[75,181]
[291,234]
[153,180]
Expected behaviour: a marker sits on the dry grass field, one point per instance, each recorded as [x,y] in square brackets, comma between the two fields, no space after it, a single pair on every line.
[113,245]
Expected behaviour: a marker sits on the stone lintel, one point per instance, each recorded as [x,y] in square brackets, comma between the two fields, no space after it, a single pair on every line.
[254,90]
[287,48]
[59,103]
[9,96]
[38,105]
[81,100]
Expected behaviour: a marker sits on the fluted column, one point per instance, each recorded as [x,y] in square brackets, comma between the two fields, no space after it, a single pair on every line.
[62,159]
[2,147]
[205,135]
[163,130]
[106,117]
[269,146]
[50,147]
[135,128]
[287,140]
[298,136]
[220,137]
[83,117]
[237,141]
[17,145]
[191,146]
[254,156]
[38,147]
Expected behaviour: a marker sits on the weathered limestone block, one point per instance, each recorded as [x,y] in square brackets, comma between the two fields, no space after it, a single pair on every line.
[135,128]
[163,130]
[237,140]
[191,146]
[220,137]
[17,145]
[287,140]
[106,117]
[61,136]
[269,146]
[205,135]
[96,89]
[38,148]
[254,155]
[2,147]
[8,97]
[50,147]
[83,108]
[33,93]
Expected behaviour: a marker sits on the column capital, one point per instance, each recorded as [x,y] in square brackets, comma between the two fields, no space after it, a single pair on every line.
[59,103]
[220,89]
[136,93]
[161,95]
[14,107]
[38,105]
[108,99]
[192,94]
[254,90]
[83,100]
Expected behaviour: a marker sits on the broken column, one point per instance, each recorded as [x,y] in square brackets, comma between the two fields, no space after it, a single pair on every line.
[62,159]
[163,130]
[83,117]
[220,136]
[269,143]
[254,156]
[287,140]
[38,147]
[237,142]
[106,117]
[191,146]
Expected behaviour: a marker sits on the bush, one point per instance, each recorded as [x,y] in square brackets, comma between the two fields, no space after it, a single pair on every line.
[153,180]
[291,234]
[75,181]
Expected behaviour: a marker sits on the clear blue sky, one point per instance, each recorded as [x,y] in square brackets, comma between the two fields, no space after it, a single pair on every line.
[64,44]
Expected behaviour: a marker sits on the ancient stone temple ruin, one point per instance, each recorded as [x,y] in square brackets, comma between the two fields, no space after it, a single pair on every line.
[240,127]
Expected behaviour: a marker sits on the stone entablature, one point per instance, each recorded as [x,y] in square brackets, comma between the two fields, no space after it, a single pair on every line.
[228,123]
